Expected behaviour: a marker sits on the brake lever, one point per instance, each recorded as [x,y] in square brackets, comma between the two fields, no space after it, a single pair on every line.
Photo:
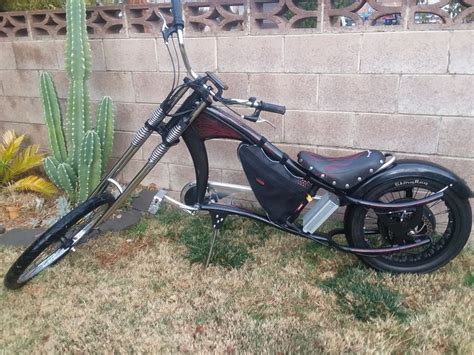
[255,117]
[165,30]
[262,120]
[165,26]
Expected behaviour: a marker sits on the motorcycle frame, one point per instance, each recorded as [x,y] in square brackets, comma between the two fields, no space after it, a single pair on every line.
[196,121]
[205,122]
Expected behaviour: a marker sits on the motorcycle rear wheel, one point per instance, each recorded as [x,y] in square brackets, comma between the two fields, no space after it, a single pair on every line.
[447,222]
[57,241]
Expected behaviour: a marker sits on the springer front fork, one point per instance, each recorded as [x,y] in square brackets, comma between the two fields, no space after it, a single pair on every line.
[141,136]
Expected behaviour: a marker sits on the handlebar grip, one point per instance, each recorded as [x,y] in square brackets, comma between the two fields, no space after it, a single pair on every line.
[265,106]
[177,13]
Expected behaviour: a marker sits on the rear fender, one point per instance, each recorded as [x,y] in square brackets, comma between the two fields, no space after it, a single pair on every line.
[416,170]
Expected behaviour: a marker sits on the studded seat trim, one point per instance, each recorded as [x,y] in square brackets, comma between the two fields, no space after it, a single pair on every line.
[343,172]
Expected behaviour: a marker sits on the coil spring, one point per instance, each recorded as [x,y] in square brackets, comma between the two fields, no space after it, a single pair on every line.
[156,116]
[174,134]
[141,135]
[162,148]
[158,153]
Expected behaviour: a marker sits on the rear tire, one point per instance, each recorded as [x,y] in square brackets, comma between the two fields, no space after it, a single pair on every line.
[57,241]
[447,221]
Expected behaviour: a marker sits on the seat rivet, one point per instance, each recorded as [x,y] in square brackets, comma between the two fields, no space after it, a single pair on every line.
[347,186]
[371,170]
[310,168]
[359,178]
[301,160]
[322,175]
[381,161]
[334,183]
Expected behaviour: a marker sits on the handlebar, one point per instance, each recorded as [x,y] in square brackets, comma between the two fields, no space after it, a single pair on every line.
[178,21]
[177,27]
[265,106]
[253,103]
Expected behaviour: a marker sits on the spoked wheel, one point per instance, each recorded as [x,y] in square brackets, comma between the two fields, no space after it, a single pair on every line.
[447,222]
[57,241]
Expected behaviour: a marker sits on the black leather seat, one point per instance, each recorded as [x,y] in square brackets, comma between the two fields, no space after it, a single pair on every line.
[343,172]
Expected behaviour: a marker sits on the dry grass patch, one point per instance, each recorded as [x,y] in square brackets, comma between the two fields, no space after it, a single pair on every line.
[143,290]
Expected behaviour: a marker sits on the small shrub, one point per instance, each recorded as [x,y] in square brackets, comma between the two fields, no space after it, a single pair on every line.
[16,162]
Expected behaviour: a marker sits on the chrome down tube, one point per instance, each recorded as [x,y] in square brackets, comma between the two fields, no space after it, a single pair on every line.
[140,137]
[155,157]
[161,149]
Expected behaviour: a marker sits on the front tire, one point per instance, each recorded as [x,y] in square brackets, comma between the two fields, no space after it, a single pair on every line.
[57,241]
[447,222]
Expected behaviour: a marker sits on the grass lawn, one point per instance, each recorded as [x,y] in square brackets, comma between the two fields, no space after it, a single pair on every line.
[146,289]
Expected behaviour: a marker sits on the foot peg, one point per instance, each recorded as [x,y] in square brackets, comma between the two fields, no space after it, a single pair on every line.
[161,196]
[156,202]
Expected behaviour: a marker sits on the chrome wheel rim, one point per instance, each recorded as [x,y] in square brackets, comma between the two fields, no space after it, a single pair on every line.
[59,248]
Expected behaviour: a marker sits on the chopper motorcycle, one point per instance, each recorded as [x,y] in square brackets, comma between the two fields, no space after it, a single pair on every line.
[405,216]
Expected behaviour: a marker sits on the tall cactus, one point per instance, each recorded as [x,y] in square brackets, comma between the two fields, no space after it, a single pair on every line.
[79,153]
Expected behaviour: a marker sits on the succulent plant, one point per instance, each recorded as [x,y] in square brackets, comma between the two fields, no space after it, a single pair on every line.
[79,153]
[16,162]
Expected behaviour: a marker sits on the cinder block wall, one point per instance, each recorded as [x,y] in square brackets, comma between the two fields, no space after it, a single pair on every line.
[408,92]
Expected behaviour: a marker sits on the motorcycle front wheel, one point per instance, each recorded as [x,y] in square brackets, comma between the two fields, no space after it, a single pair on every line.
[57,241]
[447,222]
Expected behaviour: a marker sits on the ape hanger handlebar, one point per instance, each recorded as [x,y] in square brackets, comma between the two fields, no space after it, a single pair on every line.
[177,14]
[177,28]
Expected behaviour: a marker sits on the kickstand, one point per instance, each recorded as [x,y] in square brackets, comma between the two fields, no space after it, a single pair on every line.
[217,223]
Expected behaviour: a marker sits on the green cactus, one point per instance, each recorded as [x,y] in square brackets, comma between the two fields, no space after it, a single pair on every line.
[105,128]
[53,117]
[79,153]
[91,165]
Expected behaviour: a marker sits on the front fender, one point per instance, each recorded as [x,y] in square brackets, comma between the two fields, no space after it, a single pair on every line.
[416,169]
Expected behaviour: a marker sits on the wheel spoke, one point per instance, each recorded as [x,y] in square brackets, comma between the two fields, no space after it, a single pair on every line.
[371,231]
[42,264]
[55,243]
[376,234]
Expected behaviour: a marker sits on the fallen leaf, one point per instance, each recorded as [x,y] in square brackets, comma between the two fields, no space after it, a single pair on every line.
[199,330]
[13,212]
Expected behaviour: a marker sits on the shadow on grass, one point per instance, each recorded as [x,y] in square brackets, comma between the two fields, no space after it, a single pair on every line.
[232,247]
[228,251]
[364,300]
[238,236]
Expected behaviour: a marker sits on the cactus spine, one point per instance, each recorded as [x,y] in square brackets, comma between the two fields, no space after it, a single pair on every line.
[79,153]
